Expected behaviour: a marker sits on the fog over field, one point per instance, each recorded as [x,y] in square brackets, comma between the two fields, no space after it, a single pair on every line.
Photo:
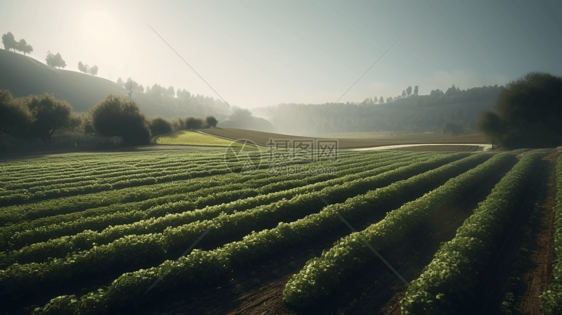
[304,157]
[277,57]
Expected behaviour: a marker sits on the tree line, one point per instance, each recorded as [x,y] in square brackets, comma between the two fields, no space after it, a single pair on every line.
[10,43]
[178,100]
[34,118]
[527,113]
[54,61]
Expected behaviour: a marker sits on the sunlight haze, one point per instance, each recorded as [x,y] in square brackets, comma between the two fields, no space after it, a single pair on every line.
[261,53]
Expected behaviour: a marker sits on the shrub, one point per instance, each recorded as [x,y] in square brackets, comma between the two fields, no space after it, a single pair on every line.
[118,116]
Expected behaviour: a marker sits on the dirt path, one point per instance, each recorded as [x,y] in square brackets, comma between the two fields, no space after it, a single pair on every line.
[485,147]
[537,279]
[265,300]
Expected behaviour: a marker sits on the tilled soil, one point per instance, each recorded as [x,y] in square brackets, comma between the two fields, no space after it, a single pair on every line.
[256,289]
[537,279]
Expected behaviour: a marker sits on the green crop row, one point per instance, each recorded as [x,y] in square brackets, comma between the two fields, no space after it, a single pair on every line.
[105,170]
[133,249]
[36,183]
[321,275]
[553,296]
[204,266]
[18,234]
[47,166]
[117,177]
[157,219]
[52,193]
[34,211]
[448,282]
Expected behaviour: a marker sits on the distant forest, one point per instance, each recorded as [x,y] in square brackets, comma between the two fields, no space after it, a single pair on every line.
[180,102]
[408,112]
[413,113]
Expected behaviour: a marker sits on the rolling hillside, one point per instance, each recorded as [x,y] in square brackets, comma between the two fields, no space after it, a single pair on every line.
[23,75]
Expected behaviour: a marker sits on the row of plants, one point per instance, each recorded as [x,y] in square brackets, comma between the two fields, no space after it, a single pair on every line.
[116,177]
[32,214]
[322,275]
[204,266]
[211,193]
[81,162]
[159,218]
[35,182]
[97,219]
[102,166]
[447,284]
[75,190]
[45,168]
[553,296]
[134,249]
[48,209]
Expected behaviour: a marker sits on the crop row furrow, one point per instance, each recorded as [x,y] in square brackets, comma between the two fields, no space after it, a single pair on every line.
[321,275]
[52,193]
[157,219]
[463,260]
[139,198]
[121,175]
[131,249]
[96,174]
[53,207]
[205,266]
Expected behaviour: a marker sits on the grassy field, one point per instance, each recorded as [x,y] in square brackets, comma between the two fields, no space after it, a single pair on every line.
[195,232]
[262,138]
[185,137]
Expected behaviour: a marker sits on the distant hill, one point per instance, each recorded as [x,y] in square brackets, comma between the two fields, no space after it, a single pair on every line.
[249,123]
[23,76]
[413,114]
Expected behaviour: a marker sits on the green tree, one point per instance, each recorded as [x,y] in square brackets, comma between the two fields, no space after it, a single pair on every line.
[528,113]
[15,117]
[94,70]
[193,123]
[211,121]
[117,116]
[403,93]
[381,100]
[50,115]
[160,125]
[416,90]
[24,47]
[55,60]
[132,87]
[408,90]
[9,41]
[82,67]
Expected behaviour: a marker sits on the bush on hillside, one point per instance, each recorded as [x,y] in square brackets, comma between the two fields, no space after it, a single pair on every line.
[160,125]
[118,116]
[211,121]
[528,113]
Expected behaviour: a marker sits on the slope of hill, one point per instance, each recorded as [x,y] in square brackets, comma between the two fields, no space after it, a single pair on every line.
[23,75]
[413,114]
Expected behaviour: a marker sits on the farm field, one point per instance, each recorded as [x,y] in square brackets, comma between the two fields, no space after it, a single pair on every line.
[193,138]
[184,232]
[262,138]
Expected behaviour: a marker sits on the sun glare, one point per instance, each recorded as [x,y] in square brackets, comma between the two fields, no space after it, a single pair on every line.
[99,26]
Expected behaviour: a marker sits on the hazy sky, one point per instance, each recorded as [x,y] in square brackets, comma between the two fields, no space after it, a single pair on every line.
[258,53]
